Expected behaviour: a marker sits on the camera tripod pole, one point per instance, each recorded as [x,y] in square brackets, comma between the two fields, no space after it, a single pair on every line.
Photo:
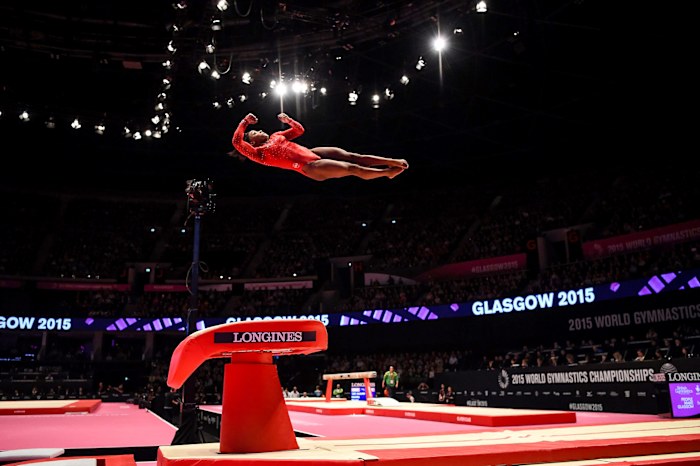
[188,432]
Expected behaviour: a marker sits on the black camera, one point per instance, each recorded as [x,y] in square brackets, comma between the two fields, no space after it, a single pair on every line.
[201,198]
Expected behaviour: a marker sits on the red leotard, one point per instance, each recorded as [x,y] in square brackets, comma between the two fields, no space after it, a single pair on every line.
[279,151]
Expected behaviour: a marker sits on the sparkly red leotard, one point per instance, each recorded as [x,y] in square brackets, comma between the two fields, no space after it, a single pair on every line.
[279,151]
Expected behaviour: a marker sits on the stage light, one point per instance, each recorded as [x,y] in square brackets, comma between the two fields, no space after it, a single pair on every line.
[299,87]
[457,31]
[50,123]
[388,94]
[242,98]
[126,132]
[215,74]
[203,66]
[75,124]
[137,136]
[420,64]
[281,89]
[148,133]
[167,64]
[181,5]
[481,7]
[155,119]
[222,5]
[352,97]
[375,101]
[171,47]
[216,105]
[210,47]
[230,102]
[216,24]
[323,91]
[439,44]
[404,80]
[246,78]
[100,129]
[24,116]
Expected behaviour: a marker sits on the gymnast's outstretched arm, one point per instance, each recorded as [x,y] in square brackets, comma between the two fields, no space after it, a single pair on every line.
[295,130]
[243,146]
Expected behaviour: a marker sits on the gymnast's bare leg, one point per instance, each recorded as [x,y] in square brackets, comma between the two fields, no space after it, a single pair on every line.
[336,153]
[324,169]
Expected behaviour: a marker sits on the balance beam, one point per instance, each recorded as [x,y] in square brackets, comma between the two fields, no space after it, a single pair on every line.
[349,375]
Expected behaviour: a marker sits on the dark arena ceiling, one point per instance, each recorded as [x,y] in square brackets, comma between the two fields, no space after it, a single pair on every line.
[530,85]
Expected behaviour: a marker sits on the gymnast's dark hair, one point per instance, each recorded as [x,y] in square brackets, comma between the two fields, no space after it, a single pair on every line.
[246,137]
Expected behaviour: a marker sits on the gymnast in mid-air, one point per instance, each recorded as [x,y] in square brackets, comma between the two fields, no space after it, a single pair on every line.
[319,163]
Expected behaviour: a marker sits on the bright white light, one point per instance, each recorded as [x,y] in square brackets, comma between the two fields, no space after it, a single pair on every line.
[247,78]
[75,124]
[230,102]
[404,80]
[375,101]
[24,116]
[421,64]
[162,96]
[242,98]
[281,89]
[457,31]
[210,48]
[439,44]
[216,105]
[263,95]
[352,97]
[215,74]
[159,107]
[299,87]
[167,64]
[100,128]
[137,136]
[323,90]
[166,83]
[481,7]
[155,119]
[148,133]
[222,5]
[171,47]
[273,83]
[388,94]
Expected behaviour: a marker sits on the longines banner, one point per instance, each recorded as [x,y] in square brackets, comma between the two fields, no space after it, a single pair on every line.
[633,387]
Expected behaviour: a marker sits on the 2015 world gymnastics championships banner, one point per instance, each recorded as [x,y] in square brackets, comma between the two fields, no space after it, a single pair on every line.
[671,284]
[642,240]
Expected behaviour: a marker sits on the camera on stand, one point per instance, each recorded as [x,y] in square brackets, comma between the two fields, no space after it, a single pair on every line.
[201,198]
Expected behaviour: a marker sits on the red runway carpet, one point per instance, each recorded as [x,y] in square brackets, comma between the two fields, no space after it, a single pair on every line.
[110,425]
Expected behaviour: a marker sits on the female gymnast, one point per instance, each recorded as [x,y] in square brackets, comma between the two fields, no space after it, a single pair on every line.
[319,163]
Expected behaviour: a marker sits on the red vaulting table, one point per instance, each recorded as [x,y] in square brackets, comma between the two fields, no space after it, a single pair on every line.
[254,415]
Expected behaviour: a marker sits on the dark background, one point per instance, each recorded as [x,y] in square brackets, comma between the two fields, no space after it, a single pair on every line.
[529,89]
